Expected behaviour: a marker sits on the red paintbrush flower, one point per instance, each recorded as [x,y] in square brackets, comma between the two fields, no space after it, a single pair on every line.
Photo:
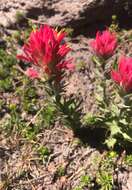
[104,43]
[47,49]
[123,76]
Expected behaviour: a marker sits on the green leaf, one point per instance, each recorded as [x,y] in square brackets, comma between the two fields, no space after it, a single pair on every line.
[123,121]
[113,127]
[115,110]
[111,142]
[99,98]
[126,137]
[96,60]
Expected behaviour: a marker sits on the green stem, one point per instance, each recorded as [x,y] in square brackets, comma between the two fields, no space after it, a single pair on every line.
[61,106]
[104,83]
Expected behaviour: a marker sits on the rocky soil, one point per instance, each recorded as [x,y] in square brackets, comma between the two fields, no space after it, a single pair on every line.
[63,13]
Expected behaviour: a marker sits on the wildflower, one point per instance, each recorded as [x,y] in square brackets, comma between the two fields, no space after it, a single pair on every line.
[123,76]
[104,43]
[47,49]
[32,73]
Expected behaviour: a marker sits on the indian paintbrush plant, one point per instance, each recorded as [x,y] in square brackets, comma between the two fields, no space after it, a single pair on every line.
[114,102]
[46,51]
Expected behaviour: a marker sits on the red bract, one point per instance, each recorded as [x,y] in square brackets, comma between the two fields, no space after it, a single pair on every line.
[32,73]
[123,76]
[47,49]
[104,43]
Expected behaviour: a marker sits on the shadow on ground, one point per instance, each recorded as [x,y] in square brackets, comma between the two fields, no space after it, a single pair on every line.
[90,29]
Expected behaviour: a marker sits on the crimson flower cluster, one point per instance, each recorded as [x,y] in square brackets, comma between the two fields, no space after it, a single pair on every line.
[123,76]
[104,44]
[46,50]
